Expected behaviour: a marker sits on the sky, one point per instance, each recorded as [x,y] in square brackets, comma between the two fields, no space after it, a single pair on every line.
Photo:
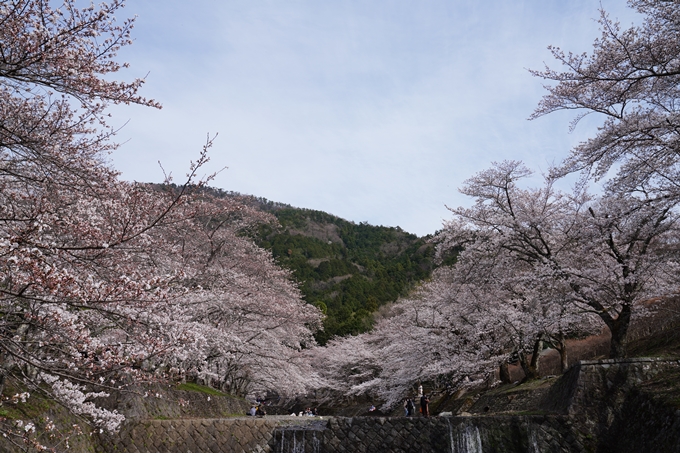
[373,111]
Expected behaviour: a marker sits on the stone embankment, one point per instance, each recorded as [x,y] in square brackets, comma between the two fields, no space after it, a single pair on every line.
[501,434]
[624,406]
[193,436]
[609,402]
[590,409]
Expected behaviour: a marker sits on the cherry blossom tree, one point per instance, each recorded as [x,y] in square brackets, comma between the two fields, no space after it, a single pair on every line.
[534,265]
[602,255]
[247,319]
[436,336]
[538,264]
[503,294]
[66,220]
[510,239]
[347,366]
[628,254]
[631,78]
[105,282]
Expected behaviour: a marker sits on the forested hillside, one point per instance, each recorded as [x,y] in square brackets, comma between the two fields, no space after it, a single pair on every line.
[348,270]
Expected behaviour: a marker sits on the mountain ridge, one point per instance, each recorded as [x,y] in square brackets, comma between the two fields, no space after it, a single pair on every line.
[347,269]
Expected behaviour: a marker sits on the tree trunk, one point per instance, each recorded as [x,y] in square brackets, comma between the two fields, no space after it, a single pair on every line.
[618,348]
[531,369]
[505,372]
[561,347]
[524,364]
[3,378]
[535,356]
[564,359]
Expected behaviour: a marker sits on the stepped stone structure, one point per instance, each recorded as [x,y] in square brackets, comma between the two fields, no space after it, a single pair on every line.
[607,401]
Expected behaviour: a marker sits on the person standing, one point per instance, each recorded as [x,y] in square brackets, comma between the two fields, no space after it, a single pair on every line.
[411,406]
[425,406]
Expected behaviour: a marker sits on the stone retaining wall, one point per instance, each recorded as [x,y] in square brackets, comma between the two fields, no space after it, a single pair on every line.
[642,423]
[518,434]
[192,436]
[609,381]
[602,396]
[589,384]
[580,414]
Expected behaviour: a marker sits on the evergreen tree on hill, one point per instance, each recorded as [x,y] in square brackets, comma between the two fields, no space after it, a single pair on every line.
[348,270]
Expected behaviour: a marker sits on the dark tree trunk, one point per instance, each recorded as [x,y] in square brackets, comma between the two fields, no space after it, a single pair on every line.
[531,369]
[524,364]
[564,359]
[619,328]
[535,356]
[505,372]
[4,368]
[561,347]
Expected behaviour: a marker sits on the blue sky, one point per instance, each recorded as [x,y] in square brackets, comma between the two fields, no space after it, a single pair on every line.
[371,110]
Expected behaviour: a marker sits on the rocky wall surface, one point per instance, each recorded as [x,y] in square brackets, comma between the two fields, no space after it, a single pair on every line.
[648,416]
[159,401]
[599,382]
[641,424]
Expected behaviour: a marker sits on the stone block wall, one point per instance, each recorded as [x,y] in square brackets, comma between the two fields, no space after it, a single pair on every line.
[162,401]
[192,436]
[498,434]
[609,381]
[641,423]
[595,407]
[533,434]
[595,392]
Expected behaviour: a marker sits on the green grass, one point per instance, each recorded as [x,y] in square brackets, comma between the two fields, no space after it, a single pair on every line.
[34,407]
[191,387]
[530,412]
[531,385]
[231,415]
